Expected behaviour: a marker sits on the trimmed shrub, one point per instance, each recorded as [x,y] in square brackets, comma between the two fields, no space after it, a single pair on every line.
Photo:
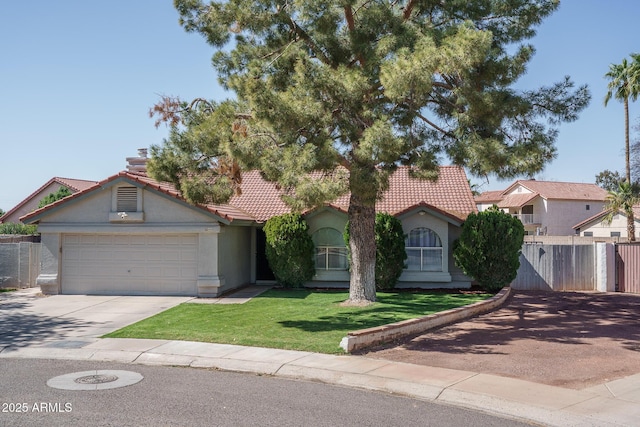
[390,250]
[489,248]
[289,249]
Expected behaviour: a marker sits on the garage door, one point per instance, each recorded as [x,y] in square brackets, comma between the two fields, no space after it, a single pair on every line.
[129,264]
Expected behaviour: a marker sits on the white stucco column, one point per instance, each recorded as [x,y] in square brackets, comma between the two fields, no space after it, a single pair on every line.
[605,267]
[210,284]
[50,262]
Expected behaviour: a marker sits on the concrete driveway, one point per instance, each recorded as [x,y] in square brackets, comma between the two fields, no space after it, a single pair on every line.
[70,321]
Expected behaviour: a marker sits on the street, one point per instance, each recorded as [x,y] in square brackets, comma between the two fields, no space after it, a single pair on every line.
[174,396]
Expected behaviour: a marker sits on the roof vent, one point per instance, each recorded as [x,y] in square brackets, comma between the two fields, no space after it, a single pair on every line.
[138,164]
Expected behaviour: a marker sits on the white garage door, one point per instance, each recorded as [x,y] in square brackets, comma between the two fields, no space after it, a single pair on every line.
[129,264]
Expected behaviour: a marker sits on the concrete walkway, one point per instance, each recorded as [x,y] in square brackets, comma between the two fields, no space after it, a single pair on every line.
[616,403]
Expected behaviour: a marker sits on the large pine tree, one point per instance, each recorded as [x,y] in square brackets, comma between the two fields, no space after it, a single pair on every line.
[351,89]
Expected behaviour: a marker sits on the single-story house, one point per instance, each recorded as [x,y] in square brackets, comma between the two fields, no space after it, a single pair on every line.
[546,207]
[596,226]
[30,203]
[130,234]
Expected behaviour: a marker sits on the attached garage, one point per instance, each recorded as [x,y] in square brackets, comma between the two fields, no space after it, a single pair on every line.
[129,264]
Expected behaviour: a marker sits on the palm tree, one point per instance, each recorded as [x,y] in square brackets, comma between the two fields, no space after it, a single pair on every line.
[623,200]
[624,84]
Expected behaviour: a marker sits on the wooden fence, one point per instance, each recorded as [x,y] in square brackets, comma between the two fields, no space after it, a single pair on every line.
[628,268]
[556,268]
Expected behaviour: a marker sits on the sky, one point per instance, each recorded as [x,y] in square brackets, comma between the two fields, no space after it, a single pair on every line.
[77,79]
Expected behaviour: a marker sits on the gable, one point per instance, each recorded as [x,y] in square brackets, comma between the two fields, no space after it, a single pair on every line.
[120,200]
[31,202]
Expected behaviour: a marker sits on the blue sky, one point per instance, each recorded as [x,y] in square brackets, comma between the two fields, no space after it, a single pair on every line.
[77,79]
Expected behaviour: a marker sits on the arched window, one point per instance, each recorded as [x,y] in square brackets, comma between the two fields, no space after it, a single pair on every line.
[424,250]
[331,253]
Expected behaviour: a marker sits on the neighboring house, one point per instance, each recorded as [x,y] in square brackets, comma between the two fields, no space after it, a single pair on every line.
[595,226]
[546,207]
[130,234]
[31,202]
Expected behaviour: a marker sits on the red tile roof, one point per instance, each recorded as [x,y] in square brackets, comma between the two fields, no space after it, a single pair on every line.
[545,189]
[516,200]
[489,196]
[74,185]
[562,190]
[260,199]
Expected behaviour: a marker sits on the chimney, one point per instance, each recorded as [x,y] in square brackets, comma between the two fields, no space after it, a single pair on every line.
[138,164]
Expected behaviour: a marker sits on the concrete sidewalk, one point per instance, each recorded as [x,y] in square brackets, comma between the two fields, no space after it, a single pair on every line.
[616,403]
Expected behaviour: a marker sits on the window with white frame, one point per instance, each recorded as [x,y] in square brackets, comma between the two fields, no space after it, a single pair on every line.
[424,250]
[331,252]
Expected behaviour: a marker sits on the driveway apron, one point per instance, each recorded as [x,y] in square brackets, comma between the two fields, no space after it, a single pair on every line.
[71,321]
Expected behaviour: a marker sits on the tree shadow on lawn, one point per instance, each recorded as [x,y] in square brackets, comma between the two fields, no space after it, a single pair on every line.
[555,317]
[395,309]
[20,328]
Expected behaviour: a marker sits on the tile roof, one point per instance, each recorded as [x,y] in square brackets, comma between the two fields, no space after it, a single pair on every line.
[516,200]
[74,185]
[545,189]
[562,190]
[260,199]
[600,215]
[489,196]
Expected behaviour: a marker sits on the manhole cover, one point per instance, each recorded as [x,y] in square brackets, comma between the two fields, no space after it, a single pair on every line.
[96,379]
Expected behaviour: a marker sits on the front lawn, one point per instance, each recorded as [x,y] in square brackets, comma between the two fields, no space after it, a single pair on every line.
[290,319]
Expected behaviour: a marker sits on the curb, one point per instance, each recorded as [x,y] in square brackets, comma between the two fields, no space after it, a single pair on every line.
[357,340]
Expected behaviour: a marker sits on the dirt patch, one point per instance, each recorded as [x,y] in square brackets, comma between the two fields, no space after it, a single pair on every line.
[567,339]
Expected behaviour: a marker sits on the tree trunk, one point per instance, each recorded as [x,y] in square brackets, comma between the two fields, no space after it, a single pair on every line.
[362,245]
[631,227]
[626,141]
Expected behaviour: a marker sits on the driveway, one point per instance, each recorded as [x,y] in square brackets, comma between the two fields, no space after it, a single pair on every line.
[567,339]
[30,319]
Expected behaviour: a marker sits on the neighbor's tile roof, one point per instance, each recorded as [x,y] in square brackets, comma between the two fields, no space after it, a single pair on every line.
[545,189]
[489,196]
[260,199]
[516,200]
[74,185]
[563,190]
[600,215]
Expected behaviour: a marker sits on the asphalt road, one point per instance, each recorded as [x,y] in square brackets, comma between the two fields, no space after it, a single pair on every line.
[173,396]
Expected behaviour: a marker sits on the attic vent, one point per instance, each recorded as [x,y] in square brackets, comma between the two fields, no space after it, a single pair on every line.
[127,199]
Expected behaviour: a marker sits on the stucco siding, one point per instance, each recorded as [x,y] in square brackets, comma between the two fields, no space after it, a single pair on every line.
[562,215]
[234,256]
[618,224]
[94,208]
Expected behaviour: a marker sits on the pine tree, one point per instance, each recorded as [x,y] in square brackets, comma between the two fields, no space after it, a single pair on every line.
[331,96]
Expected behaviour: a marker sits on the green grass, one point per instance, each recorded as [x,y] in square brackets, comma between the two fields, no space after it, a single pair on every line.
[8,289]
[290,319]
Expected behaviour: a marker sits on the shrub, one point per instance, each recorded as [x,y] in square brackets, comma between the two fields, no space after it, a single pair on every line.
[289,249]
[390,250]
[13,228]
[489,248]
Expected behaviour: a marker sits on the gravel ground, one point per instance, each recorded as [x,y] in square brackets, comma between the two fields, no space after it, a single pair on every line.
[567,339]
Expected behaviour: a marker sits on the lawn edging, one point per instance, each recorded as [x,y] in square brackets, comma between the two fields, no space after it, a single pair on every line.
[363,338]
